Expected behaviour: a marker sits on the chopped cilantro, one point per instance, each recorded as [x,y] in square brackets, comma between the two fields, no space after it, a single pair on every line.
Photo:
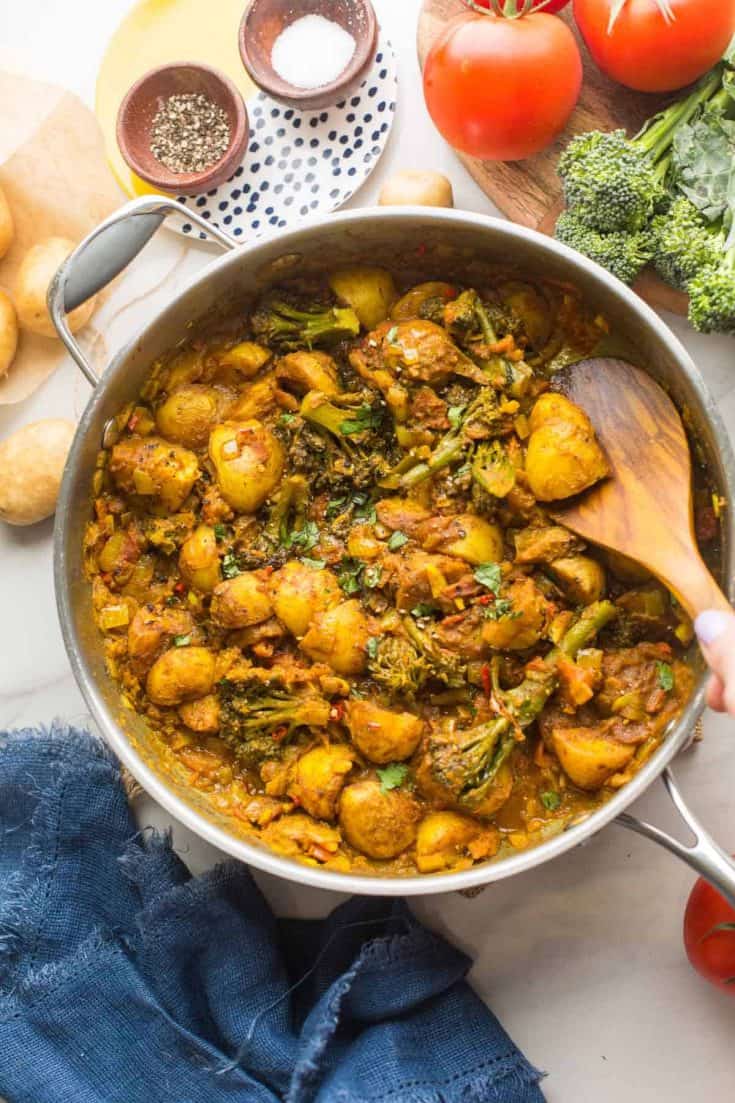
[454,415]
[397,540]
[306,537]
[372,576]
[230,566]
[665,676]
[550,800]
[372,646]
[423,609]
[489,575]
[501,610]
[220,532]
[172,599]
[366,512]
[392,776]
[366,417]
[335,506]
[317,564]
[182,641]
[349,575]
[286,419]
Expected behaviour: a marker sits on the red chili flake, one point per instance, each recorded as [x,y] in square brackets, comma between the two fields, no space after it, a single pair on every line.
[279,734]
[179,587]
[421,249]
[337,712]
[133,422]
[484,599]
[487,682]
[450,293]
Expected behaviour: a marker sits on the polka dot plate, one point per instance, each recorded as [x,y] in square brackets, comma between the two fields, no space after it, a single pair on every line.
[302,163]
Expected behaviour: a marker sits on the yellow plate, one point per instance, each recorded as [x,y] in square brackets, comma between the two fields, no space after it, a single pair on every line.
[158,32]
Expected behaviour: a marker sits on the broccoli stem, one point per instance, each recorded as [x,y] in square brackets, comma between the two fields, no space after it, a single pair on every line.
[449,449]
[657,134]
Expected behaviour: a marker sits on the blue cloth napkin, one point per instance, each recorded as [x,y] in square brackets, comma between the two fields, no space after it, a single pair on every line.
[123,978]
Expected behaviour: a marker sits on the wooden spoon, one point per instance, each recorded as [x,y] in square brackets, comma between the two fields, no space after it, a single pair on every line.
[645,509]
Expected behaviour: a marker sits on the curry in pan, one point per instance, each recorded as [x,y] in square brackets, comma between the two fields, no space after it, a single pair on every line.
[324,573]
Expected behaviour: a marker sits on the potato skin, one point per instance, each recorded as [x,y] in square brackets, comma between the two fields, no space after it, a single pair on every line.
[299,592]
[444,840]
[248,461]
[31,465]
[188,414]
[408,305]
[378,824]
[199,560]
[369,291]
[525,624]
[319,776]
[37,269]
[582,579]
[383,735]
[421,187]
[151,629]
[8,332]
[563,456]
[7,229]
[181,674]
[339,637]
[154,468]
[588,758]
[308,371]
[241,601]
[482,541]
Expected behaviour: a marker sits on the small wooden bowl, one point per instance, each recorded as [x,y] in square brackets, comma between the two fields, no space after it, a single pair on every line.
[265,19]
[145,98]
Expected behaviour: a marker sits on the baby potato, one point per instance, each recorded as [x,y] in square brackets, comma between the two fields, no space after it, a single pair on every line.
[377,823]
[564,456]
[188,414]
[202,715]
[37,269]
[8,332]
[482,542]
[338,636]
[524,625]
[401,513]
[319,776]
[7,230]
[299,592]
[199,560]
[31,465]
[151,629]
[118,557]
[257,399]
[383,735]
[448,840]
[409,305]
[155,469]
[588,758]
[369,291]
[419,187]
[308,371]
[241,601]
[181,674]
[582,579]
[245,359]
[248,461]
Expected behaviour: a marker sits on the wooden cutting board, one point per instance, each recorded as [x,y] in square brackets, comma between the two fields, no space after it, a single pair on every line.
[529,192]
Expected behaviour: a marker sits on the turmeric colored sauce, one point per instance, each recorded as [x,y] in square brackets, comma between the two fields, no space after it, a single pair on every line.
[324,573]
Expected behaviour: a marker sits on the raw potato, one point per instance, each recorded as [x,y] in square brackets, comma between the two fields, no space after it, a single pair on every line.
[8,328]
[419,187]
[31,465]
[37,269]
[7,230]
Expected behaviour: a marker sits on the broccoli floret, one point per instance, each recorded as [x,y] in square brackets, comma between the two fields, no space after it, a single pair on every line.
[712,297]
[357,440]
[466,319]
[614,183]
[399,666]
[685,244]
[281,326]
[622,253]
[258,716]
[444,666]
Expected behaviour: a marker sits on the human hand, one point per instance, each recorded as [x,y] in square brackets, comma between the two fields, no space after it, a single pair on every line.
[716,633]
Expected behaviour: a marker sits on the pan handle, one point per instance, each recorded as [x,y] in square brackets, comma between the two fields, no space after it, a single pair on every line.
[105,253]
[704,856]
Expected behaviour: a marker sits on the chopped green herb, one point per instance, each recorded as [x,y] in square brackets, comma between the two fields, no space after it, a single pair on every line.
[172,599]
[489,575]
[306,537]
[182,641]
[230,566]
[366,417]
[665,676]
[501,610]
[372,646]
[335,506]
[392,776]
[286,419]
[366,513]
[391,334]
[397,540]
[220,532]
[349,575]
[317,564]
[372,576]
[423,609]
[454,415]
[550,800]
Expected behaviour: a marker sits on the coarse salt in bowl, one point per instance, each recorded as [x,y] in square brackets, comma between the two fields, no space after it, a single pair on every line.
[308,55]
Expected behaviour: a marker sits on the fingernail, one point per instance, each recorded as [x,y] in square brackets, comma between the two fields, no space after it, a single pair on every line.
[710,625]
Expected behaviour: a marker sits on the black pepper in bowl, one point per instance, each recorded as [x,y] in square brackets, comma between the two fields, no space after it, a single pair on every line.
[189,133]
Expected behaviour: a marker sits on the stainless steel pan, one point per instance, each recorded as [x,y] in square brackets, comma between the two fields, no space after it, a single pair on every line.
[432,241]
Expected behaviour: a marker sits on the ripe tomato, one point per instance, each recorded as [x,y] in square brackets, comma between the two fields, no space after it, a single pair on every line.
[551,8]
[711,951]
[502,89]
[651,51]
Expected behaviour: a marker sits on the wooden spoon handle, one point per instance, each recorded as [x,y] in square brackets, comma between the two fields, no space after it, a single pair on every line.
[694,587]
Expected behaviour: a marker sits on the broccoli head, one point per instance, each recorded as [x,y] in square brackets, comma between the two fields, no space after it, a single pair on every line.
[357,440]
[623,253]
[259,713]
[399,666]
[712,297]
[282,326]
[685,244]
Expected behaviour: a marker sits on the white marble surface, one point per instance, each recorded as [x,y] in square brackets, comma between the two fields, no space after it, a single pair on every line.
[582,959]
